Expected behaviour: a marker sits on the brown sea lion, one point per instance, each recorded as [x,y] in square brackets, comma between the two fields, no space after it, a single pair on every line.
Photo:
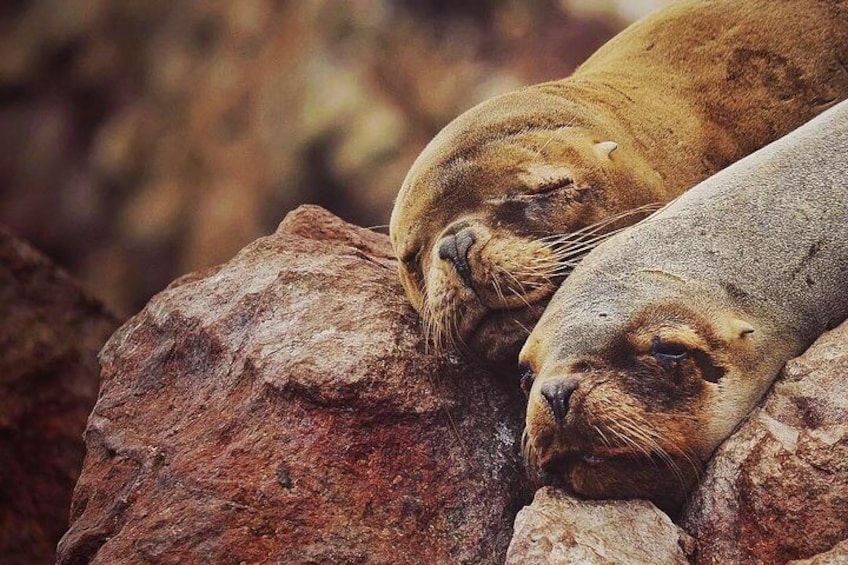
[668,102]
[665,336]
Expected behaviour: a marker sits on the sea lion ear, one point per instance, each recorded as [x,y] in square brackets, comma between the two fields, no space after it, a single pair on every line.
[738,329]
[605,148]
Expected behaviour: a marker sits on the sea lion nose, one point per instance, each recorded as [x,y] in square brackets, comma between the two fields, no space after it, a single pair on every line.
[454,249]
[558,393]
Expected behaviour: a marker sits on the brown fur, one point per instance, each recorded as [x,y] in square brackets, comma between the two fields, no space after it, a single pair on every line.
[670,332]
[683,93]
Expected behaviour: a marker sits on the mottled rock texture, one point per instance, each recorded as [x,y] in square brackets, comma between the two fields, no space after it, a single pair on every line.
[558,529]
[50,332]
[281,408]
[777,490]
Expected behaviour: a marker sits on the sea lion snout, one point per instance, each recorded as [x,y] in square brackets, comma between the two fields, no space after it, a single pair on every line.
[454,249]
[558,394]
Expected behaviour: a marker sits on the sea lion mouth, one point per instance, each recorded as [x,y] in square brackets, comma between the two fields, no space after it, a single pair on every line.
[558,471]
[618,475]
[498,334]
[505,316]
[590,457]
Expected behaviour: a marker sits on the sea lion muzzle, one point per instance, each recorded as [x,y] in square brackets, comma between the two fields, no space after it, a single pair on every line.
[454,249]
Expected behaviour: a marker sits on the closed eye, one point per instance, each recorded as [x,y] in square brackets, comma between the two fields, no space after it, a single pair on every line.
[552,186]
[526,378]
[668,354]
[538,192]
[546,189]
[671,355]
[412,259]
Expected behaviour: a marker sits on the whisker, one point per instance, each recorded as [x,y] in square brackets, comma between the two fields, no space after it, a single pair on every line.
[522,326]
[656,438]
[603,437]
[595,227]
[498,289]
[592,238]
[515,280]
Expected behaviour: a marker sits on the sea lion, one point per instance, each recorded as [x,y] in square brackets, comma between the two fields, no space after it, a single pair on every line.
[665,336]
[668,102]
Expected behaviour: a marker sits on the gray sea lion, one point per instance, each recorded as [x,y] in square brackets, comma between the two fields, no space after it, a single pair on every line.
[665,336]
[668,102]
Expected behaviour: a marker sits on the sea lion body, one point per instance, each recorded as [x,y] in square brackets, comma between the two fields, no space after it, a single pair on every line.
[666,103]
[665,336]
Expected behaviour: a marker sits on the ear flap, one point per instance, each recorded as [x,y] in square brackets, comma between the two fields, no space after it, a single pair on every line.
[737,328]
[605,148]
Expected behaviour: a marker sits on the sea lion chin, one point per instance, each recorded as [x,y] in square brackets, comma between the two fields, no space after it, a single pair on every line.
[506,199]
[666,336]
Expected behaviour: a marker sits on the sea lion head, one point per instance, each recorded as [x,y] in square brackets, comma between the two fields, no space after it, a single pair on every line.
[498,208]
[627,398]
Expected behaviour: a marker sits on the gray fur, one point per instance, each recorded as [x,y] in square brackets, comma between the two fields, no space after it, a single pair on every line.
[766,238]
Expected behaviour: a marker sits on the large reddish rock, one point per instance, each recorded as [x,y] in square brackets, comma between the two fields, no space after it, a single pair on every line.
[558,529]
[50,333]
[282,409]
[777,490]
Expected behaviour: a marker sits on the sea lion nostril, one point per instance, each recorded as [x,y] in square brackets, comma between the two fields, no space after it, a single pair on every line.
[447,249]
[464,240]
[558,393]
[454,248]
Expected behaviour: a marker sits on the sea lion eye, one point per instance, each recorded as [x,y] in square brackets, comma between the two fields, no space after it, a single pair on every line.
[668,354]
[553,185]
[671,355]
[545,189]
[412,260]
[527,377]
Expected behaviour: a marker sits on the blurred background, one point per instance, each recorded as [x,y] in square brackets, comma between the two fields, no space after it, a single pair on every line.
[143,139]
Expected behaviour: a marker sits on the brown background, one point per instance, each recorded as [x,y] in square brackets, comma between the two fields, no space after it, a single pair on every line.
[142,139]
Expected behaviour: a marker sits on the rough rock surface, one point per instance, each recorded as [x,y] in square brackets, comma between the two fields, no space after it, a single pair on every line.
[281,408]
[50,332]
[558,529]
[836,556]
[777,490]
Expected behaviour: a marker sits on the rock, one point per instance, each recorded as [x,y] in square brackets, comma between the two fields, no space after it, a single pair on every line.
[777,490]
[836,556]
[281,408]
[50,333]
[558,529]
